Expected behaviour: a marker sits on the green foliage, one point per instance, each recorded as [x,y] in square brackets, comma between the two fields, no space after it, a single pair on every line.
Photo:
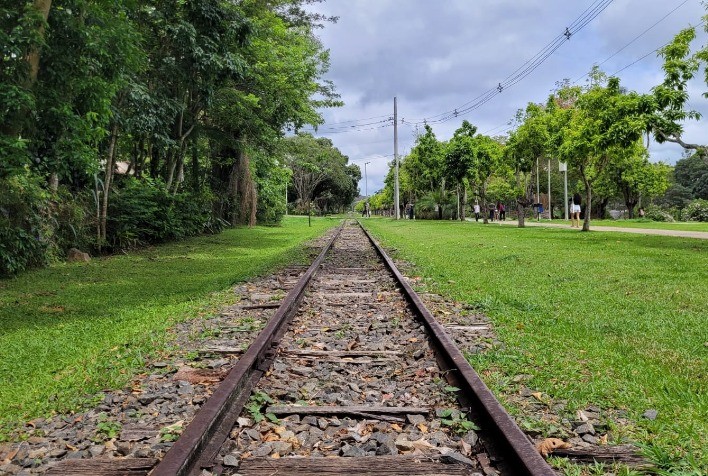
[106,429]
[23,209]
[255,407]
[691,173]
[144,212]
[697,210]
[657,214]
[176,91]
[171,432]
[457,421]
[319,173]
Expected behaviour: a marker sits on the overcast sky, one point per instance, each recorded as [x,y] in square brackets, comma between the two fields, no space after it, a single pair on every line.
[436,56]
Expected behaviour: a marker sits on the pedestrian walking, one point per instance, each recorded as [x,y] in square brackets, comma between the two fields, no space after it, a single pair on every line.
[575,211]
[476,212]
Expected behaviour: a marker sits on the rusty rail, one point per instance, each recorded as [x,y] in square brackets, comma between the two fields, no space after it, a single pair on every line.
[516,445]
[196,444]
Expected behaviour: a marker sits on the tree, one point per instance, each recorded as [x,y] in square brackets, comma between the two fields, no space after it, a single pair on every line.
[530,142]
[671,96]
[489,155]
[604,121]
[692,174]
[314,162]
[425,169]
[460,158]
[634,177]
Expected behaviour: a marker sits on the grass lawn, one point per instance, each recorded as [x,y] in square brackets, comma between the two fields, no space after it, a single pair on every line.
[71,330]
[609,319]
[657,225]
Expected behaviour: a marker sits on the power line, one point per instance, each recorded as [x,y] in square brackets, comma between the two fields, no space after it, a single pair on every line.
[590,13]
[636,38]
[653,51]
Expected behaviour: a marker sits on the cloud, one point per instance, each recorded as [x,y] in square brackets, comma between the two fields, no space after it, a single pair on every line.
[437,56]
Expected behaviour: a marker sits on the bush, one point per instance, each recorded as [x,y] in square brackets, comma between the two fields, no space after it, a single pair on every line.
[697,210]
[657,214]
[24,224]
[142,212]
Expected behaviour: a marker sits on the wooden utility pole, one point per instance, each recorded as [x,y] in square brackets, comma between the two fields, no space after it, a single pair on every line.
[395,159]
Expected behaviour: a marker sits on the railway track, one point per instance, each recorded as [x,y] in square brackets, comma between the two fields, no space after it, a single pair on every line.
[351,375]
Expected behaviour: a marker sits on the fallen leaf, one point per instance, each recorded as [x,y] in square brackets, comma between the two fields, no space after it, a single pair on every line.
[270,437]
[466,448]
[11,455]
[538,396]
[602,440]
[275,455]
[422,428]
[396,427]
[547,446]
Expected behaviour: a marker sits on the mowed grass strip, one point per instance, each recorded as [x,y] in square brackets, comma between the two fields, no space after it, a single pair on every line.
[649,224]
[608,319]
[72,330]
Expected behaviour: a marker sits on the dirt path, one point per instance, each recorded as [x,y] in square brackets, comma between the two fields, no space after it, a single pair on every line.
[702,235]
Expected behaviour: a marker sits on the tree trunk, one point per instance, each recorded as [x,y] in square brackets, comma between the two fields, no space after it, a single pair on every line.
[43,6]
[602,211]
[233,193]
[110,165]
[464,204]
[457,191]
[171,167]
[520,207]
[249,199]
[154,161]
[588,200]
[54,182]
[195,167]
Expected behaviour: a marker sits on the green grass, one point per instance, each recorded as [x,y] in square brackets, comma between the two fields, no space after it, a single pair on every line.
[72,330]
[608,319]
[657,225]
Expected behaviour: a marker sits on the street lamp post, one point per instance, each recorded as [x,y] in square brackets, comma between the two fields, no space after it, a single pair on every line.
[366,180]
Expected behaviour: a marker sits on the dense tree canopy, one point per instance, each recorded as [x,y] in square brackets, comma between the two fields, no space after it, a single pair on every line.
[167,100]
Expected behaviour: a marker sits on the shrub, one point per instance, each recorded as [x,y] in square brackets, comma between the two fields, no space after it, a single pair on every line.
[142,212]
[697,210]
[657,214]
[24,214]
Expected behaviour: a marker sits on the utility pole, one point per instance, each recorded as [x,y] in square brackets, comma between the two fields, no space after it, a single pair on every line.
[550,211]
[538,193]
[366,180]
[395,157]
[563,167]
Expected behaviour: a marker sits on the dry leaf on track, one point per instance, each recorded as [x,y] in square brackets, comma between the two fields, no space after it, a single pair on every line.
[547,446]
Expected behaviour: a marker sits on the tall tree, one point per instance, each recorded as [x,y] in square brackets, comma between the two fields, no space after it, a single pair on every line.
[604,120]
[460,158]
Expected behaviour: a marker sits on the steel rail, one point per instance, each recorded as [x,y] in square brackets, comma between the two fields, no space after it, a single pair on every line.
[516,444]
[182,458]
